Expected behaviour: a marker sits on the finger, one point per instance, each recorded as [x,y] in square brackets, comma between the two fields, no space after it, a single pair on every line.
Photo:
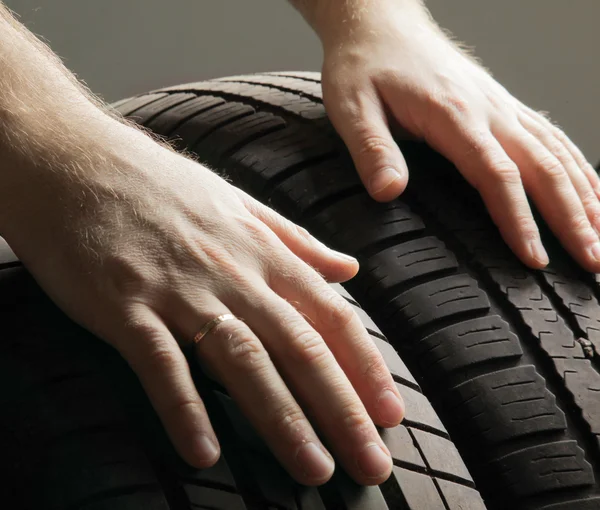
[337,322]
[334,266]
[481,159]
[556,147]
[552,190]
[162,368]
[587,168]
[358,116]
[319,384]
[244,367]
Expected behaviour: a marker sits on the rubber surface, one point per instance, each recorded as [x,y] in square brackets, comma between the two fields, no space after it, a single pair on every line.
[509,356]
[77,431]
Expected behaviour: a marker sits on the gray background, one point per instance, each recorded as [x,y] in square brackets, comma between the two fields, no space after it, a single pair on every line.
[544,51]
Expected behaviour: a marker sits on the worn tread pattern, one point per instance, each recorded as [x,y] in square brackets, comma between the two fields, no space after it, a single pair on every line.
[509,356]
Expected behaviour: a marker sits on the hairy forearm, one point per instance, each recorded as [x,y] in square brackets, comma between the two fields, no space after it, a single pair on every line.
[325,16]
[52,130]
[42,105]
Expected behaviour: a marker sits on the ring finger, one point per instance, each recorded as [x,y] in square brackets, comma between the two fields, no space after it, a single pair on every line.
[242,364]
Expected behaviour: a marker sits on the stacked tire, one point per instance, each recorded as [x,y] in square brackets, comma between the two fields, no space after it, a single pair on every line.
[507,356]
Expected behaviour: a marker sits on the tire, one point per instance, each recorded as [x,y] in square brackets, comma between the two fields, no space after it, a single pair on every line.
[78,432]
[507,355]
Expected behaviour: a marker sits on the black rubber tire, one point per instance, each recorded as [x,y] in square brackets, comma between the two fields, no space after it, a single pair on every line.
[509,356]
[77,431]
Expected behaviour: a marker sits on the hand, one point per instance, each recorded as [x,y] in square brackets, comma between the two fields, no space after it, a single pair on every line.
[148,248]
[391,58]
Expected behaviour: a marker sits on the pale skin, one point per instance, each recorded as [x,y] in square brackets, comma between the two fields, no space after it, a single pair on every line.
[143,246]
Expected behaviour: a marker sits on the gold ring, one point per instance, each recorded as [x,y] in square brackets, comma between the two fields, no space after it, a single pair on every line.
[211,324]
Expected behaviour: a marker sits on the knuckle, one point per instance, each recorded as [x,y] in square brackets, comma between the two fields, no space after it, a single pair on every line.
[310,348]
[336,312]
[372,144]
[125,276]
[590,202]
[450,104]
[257,231]
[180,406]
[580,224]
[242,347]
[289,422]
[355,418]
[559,134]
[557,148]
[374,367]
[551,168]
[161,357]
[456,104]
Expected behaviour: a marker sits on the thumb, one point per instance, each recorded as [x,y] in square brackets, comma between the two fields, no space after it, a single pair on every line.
[359,118]
[332,265]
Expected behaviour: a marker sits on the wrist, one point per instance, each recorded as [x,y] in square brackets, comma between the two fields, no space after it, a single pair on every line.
[51,161]
[336,21]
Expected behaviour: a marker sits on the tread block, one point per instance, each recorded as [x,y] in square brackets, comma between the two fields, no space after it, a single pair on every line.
[437,300]
[578,299]
[419,410]
[360,497]
[466,344]
[506,404]
[393,361]
[460,497]
[557,465]
[314,184]
[441,455]
[410,260]
[418,489]
[361,211]
[401,446]
[584,383]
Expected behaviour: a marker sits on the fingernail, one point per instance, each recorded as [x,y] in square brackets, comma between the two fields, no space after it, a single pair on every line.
[390,407]
[538,252]
[373,462]
[595,251]
[205,449]
[344,256]
[336,253]
[383,178]
[314,462]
